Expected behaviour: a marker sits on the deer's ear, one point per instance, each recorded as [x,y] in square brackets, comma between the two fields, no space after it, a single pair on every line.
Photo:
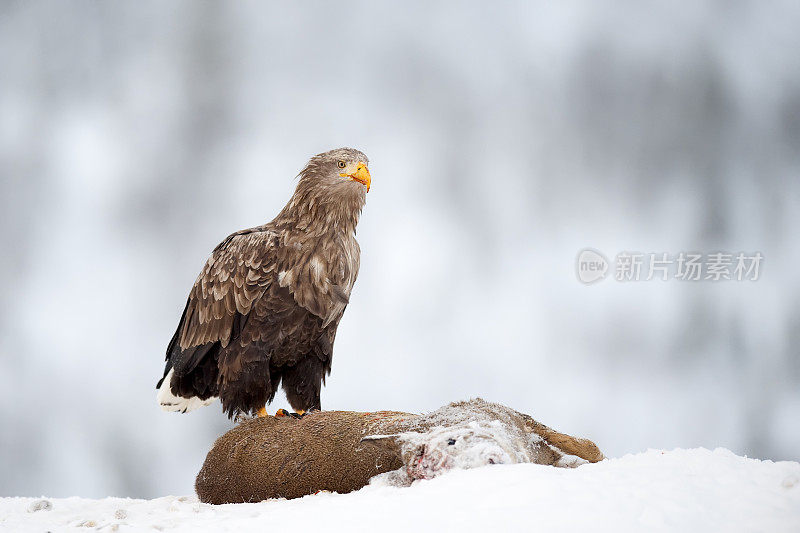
[387,443]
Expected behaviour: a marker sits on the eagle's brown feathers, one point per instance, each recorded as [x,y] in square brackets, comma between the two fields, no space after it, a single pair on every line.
[266,306]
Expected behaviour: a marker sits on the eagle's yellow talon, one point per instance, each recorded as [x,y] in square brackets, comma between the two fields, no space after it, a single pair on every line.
[284,412]
[262,412]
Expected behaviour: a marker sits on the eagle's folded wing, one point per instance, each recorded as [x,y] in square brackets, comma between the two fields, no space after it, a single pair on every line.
[238,272]
[260,263]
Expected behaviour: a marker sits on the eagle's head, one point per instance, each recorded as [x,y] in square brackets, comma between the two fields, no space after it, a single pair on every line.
[341,171]
[330,193]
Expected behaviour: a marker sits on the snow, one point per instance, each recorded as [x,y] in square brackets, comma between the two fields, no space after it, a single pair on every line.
[679,490]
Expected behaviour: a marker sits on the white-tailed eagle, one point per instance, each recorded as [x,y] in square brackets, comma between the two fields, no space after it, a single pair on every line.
[265,308]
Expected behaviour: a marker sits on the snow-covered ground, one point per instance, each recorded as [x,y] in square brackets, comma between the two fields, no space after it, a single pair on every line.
[680,490]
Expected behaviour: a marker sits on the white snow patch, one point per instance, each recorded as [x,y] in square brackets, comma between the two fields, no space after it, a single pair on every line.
[679,490]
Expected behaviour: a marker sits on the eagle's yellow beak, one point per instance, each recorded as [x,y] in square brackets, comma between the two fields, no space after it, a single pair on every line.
[361,175]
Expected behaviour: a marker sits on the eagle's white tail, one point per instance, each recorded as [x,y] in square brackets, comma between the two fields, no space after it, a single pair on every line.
[170,402]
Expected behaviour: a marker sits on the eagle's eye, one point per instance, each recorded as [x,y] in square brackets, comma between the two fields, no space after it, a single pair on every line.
[451,442]
[340,164]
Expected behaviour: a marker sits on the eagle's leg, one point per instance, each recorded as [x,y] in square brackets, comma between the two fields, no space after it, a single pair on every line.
[262,412]
[302,383]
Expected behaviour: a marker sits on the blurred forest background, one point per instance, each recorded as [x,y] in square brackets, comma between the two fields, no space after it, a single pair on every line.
[503,138]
